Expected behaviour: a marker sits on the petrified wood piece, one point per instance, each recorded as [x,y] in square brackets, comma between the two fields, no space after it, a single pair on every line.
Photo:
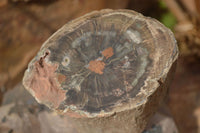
[107,70]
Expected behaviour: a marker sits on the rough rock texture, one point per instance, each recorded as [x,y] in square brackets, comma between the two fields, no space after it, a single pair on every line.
[105,69]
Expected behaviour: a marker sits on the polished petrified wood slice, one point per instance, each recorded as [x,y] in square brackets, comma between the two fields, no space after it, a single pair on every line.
[105,68]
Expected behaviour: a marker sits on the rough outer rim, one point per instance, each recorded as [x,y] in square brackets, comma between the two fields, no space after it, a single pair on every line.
[152,83]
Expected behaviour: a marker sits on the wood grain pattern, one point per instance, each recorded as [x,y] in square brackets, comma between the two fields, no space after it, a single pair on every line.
[106,62]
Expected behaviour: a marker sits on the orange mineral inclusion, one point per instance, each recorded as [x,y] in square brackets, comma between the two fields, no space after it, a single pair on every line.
[96,66]
[108,52]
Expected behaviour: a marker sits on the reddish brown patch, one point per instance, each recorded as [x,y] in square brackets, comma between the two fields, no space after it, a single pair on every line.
[43,84]
[74,114]
[108,52]
[61,78]
[96,66]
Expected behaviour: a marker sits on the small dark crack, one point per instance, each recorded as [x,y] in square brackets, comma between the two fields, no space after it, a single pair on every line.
[42,58]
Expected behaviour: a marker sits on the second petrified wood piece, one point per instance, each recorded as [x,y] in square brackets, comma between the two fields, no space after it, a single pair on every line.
[107,70]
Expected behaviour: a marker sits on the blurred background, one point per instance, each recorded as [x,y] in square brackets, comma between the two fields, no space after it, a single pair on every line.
[26,24]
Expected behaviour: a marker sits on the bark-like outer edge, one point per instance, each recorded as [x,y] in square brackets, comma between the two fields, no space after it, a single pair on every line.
[143,103]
